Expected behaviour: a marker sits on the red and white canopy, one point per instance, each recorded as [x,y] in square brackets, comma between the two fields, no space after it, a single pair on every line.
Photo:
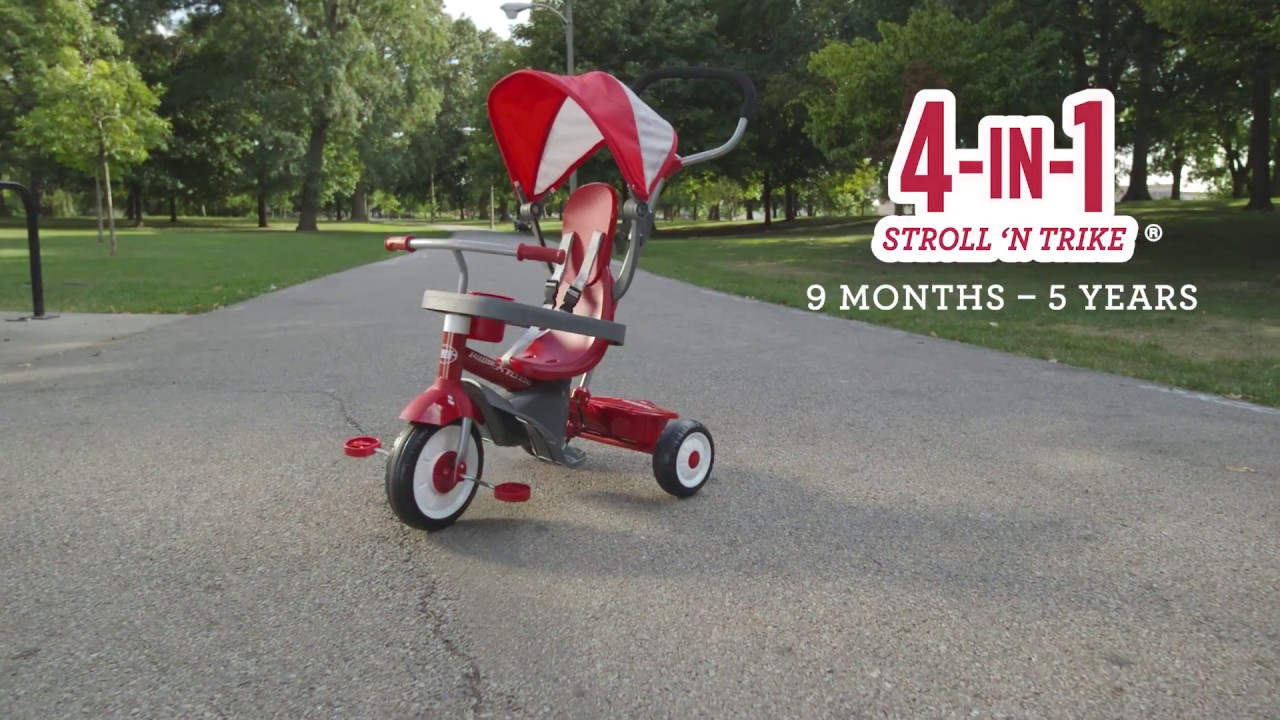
[547,125]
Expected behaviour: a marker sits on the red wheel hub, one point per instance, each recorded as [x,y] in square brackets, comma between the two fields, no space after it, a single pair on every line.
[445,475]
[694,458]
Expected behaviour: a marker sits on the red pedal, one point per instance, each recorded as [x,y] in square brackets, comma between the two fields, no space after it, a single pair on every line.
[512,492]
[361,447]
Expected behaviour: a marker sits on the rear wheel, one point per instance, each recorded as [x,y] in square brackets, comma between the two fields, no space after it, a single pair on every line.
[683,457]
[422,488]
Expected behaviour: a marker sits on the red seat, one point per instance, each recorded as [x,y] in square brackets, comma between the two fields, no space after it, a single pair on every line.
[556,354]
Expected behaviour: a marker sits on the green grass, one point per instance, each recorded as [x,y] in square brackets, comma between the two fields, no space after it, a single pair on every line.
[1229,344]
[193,266]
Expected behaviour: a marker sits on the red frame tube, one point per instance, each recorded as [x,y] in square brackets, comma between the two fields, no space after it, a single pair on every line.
[629,424]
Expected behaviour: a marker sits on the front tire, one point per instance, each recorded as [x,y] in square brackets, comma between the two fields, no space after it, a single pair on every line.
[683,458]
[420,485]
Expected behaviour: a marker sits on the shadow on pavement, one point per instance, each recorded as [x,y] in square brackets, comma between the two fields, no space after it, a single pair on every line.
[794,532]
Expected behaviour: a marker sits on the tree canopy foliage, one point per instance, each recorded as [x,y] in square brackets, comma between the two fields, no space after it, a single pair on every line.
[307,108]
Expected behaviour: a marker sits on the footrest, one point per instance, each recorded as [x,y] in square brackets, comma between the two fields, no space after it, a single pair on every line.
[362,447]
[511,492]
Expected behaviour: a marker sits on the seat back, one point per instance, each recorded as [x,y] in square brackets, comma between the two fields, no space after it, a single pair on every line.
[541,354]
[591,209]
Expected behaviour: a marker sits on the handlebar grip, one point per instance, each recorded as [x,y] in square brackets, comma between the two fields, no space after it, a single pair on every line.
[535,252]
[703,73]
[398,243]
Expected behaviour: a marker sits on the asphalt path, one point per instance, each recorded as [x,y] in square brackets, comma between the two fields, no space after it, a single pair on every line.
[897,526]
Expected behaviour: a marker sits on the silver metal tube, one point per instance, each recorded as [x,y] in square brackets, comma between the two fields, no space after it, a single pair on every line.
[720,151]
[640,230]
[462,271]
[461,456]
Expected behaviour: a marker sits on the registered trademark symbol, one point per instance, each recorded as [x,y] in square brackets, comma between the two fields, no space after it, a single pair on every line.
[1153,232]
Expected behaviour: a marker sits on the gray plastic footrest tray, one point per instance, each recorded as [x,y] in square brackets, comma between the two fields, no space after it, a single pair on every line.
[519,314]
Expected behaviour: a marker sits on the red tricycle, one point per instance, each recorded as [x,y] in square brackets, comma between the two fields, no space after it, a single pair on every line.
[536,394]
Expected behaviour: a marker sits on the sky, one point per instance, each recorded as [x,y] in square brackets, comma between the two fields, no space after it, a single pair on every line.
[486,14]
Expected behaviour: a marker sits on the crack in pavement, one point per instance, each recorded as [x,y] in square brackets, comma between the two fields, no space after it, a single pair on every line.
[471,674]
[345,412]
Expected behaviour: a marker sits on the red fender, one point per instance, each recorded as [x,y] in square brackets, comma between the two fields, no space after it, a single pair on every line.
[442,403]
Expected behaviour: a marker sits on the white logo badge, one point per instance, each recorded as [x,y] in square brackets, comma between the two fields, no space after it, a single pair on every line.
[1016,197]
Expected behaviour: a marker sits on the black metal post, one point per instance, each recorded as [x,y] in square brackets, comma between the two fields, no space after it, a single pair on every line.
[33,247]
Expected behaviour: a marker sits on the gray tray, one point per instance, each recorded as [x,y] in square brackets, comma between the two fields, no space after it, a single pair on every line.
[521,315]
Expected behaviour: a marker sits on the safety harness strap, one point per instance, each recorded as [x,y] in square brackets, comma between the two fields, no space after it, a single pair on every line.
[553,282]
[574,293]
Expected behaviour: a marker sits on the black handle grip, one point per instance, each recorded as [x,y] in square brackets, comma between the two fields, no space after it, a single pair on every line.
[697,73]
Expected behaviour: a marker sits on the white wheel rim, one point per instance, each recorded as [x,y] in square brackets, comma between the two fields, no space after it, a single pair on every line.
[431,502]
[693,461]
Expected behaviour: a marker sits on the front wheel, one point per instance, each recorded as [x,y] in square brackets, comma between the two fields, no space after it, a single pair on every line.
[683,458]
[422,488]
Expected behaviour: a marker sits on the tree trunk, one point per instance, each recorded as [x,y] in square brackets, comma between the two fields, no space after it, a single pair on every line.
[139,205]
[97,198]
[751,210]
[173,207]
[313,177]
[766,199]
[262,203]
[792,202]
[1275,176]
[360,203]
[1176,167]
[37,188]
[1260,137]
[111,215]
[1237,170]
[1138,189]
[129,200]
[714,212]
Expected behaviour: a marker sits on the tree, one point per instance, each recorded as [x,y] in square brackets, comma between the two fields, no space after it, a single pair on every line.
[435,163]
[94,111]
[352,67]
[1192,106]
[771,40]
[1240,38]
[33,36]
[1146,105]
[144,28]
[864,90]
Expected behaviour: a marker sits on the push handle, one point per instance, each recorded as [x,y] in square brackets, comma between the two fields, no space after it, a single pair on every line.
[544,254]
[692,73]
[695,73]
[398,243]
